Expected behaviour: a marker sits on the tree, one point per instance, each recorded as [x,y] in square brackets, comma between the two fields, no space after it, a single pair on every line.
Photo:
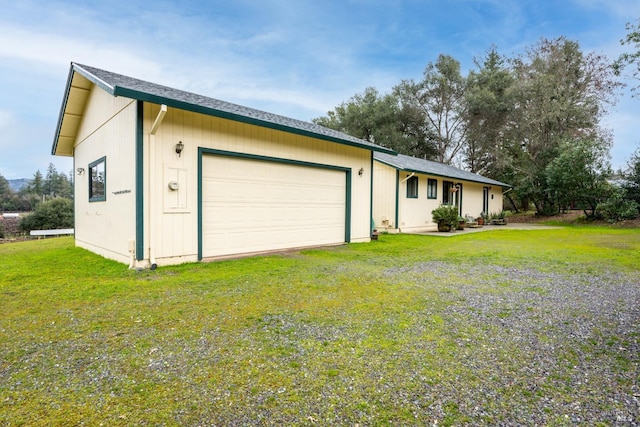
[633,58]
[578,175]
[32,193]
[50,215]
[438,102]
[368,116]
[489,105]
[632,177]
[560,94]
[36,186]
[7,198]
[378,118]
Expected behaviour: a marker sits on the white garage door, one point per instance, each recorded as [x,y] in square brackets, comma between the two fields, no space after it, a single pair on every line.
[256,205]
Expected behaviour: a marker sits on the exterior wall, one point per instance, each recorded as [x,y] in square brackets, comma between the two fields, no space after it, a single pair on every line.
[175,227]
[414,214]
[107,130]
[496,199]
[472,199]
[384,197]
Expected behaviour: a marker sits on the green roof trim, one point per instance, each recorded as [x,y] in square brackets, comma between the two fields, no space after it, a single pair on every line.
[428,167]
[140,90]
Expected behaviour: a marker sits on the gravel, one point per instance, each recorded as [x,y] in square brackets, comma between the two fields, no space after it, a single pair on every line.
[570,341]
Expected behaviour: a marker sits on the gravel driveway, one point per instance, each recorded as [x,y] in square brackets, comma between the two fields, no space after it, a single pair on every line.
[570,341]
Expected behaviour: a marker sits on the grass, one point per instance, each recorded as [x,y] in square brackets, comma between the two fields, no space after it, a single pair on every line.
[406,330]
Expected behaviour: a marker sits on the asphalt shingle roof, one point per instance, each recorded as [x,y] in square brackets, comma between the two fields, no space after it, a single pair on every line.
[120,85]
[413,164]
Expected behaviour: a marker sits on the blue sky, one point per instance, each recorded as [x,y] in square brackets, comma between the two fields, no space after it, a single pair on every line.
[297,58]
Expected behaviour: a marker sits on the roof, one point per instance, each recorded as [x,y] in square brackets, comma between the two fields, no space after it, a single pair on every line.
[82,77]
[413,164]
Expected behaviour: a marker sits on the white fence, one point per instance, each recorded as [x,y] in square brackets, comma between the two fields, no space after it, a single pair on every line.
[44,233]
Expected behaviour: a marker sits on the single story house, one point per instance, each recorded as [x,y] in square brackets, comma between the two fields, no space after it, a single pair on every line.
[407,189]
[165,176]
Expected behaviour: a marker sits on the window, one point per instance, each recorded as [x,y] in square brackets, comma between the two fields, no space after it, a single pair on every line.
[412,187]
[98,180]
[447,193]
[432,189]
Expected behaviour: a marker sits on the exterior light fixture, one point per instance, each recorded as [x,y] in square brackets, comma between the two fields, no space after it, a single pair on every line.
[361,171]
[179,148]
[80,171]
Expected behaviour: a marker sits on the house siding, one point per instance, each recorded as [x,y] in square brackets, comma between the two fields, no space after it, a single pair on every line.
[384,197]
[107,130]
[176,230]
[414,214]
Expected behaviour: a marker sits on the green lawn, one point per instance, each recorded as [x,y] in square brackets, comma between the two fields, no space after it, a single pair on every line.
[501,327]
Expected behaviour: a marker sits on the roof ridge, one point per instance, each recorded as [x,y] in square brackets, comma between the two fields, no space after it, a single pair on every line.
[123,85]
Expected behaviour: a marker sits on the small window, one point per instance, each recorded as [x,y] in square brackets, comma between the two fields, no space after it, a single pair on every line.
[447,192]
[432,188]
[412,187]
[98,180]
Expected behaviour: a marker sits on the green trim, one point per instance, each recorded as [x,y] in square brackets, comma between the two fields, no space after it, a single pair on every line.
[373,223]
[435,195]
[103,197]
[422,172]
[417,181]
[200,154]
[397,197]
[140,181]
[156,99]
[485,200]
[446,190]
[202,150]
[210,151]
[347,203]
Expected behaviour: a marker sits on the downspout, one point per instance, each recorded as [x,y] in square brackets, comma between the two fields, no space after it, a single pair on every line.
[412,174]
[152,183]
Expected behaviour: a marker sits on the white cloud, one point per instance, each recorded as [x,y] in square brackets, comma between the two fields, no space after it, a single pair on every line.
[6,119]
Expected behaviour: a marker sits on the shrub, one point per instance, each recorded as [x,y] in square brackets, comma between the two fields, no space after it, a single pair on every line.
[50,215]
[448,214]
[617,208]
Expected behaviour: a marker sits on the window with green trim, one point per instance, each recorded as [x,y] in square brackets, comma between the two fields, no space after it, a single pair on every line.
[432,188]
[98,180]
[447,193]
[412,187]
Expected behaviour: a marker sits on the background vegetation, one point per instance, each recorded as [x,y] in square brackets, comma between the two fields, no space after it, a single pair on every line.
[50,198]
[533,121]
[494,328]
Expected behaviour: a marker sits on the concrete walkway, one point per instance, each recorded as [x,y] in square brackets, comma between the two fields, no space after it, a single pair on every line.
[508,226]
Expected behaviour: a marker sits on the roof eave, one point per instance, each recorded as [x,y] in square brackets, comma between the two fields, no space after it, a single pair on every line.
[63,107]
[156,99]
[411,170]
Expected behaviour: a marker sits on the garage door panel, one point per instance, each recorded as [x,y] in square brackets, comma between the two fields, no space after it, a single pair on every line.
[253,206]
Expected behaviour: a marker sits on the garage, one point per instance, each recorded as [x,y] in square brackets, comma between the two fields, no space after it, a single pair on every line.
[255,204]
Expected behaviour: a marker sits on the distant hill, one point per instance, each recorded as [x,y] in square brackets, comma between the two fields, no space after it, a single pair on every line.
[18,184]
